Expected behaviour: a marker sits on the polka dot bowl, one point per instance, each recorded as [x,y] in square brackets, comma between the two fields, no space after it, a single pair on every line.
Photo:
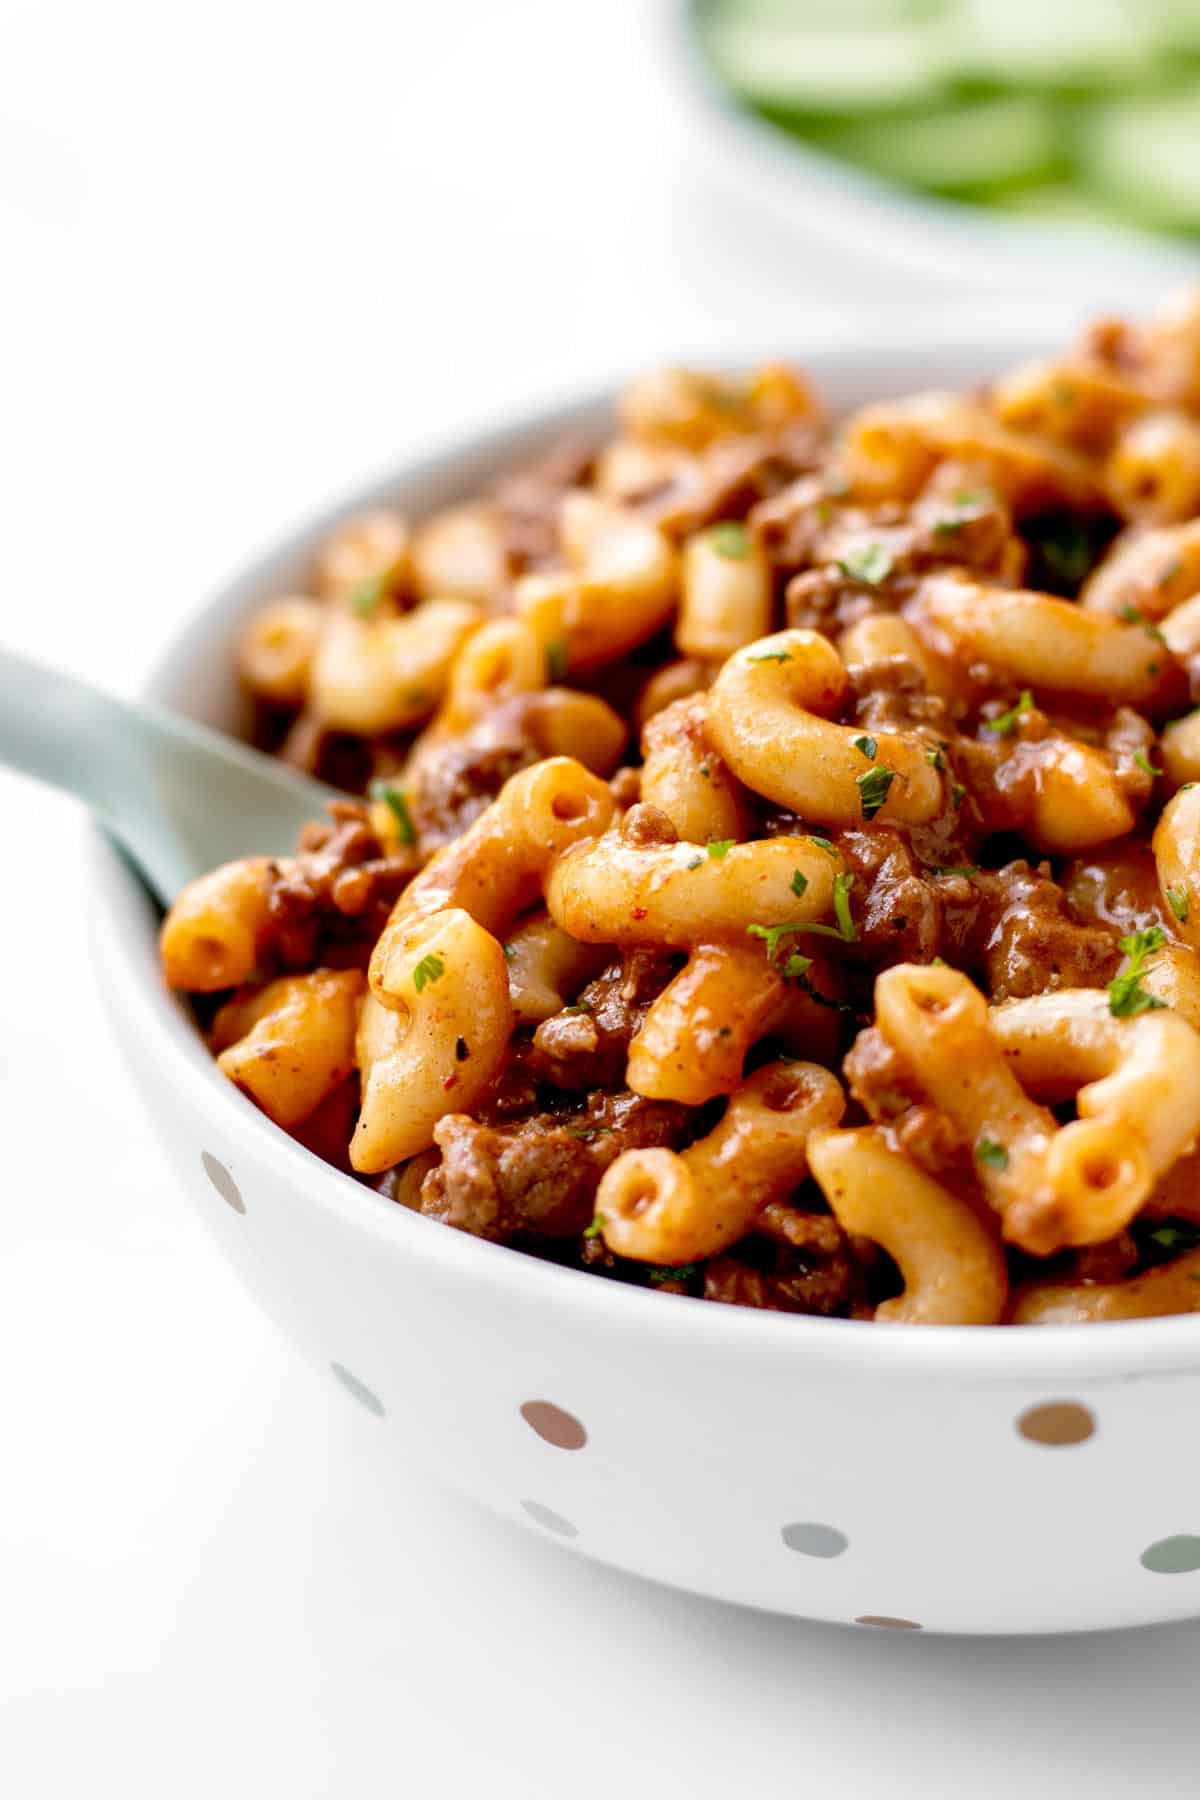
[890,1478]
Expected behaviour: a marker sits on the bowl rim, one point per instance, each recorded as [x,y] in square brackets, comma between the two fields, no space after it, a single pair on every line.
[123,928]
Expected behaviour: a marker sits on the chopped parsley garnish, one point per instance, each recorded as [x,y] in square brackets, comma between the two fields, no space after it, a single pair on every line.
[825,845]
[1062,551]
[771,935]
[1132,615]
[966,506]
[557,660]
[397,804]
[1126,995]
[873,786]
[1177,898]
[1008,721]
[958,794]
[367,595]
[845,929]
[868,746]
[730,539]
[991,1154]
[1184,1236]
[1142,761]
[796,966]
[936,760]
[841,907]
[430,968]
[799,882]
[662,1273]
[596,1227]
[776,656]
[870,565]
[957,869]
[462,1049]
[719,848]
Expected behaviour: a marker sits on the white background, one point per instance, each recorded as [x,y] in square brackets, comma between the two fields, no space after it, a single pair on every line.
[250,252]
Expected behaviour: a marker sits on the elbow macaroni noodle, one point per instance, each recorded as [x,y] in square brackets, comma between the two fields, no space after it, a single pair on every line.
[909,816]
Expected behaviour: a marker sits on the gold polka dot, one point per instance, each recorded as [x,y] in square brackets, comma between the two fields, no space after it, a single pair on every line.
[223,1181]
[1057,1422]
[554,1425]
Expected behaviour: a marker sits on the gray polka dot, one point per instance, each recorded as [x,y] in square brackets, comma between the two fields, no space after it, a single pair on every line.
[1057,1422]
[552,1521]
[815,1540]
[223,1181]
[359,1389]
[882,1621]
[1173,1556]
[554,1425]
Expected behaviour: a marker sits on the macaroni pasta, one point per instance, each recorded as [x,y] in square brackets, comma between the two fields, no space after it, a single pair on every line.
[770,866]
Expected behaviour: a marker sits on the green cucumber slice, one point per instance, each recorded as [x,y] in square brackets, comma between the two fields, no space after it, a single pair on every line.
[791,68]
[1143,154]
[964,148]
[1080,44]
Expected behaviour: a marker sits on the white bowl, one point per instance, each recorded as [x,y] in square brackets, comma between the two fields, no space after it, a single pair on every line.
[989,1480]
[901,231]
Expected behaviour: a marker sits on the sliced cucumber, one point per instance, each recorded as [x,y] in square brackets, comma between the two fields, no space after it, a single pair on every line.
[1060,202]
[1143,154]
[1177,22]
[964,148]
[1084,44]
[788,67]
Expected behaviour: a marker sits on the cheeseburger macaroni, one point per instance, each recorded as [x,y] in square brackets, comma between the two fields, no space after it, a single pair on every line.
[770,866]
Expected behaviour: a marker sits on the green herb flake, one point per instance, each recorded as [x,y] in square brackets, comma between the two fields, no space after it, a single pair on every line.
[557,660]
[868,746]
[1172,1237]
[397,804]
[1132,615]
[1008,721]
[730,539]
[870,566]
[367,595]
[1177,898]
[796,966]
[1142,761]
[957,869]
[873,786]
[596,1228]
[1126,995]
[430,968]
[991,1154]
[719,848]
[772,935]
[958,794]
[799,882]
[841,907]
[936,760]
[510,953]
[825,845]
[662,1274]
[706,771]
[775,656]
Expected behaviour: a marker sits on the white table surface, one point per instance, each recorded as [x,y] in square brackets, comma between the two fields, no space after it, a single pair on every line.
[251,251]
